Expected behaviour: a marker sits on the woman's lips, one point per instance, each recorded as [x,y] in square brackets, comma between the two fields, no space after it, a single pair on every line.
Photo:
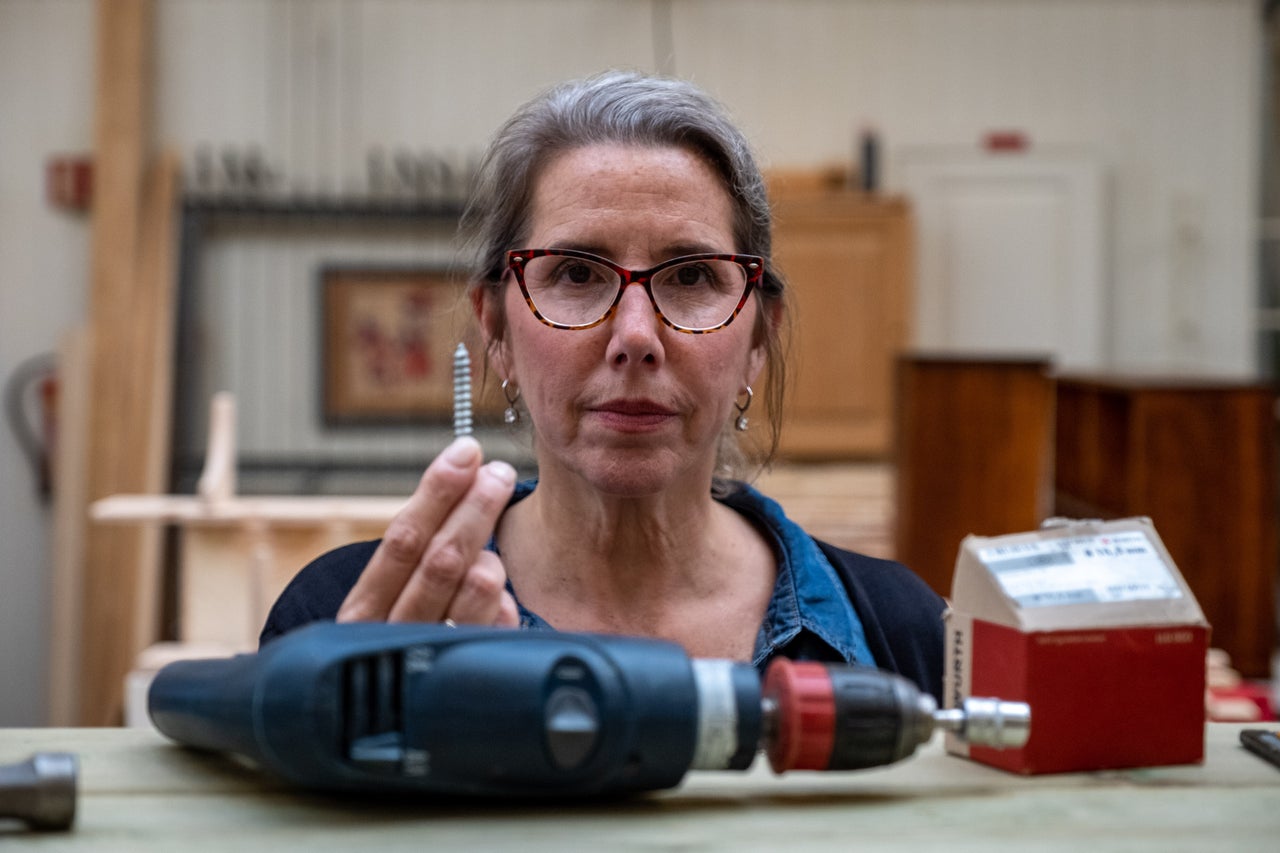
[632,415]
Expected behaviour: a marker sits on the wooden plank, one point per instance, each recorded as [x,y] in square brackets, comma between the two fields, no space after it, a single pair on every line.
[122,318]
[69,524]
[157,276]
[271,510]
[141,793]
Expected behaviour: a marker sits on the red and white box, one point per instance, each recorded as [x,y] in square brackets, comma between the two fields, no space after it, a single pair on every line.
[1092,625]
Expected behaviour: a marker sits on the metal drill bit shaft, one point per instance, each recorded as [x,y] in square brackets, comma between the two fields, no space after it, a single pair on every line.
[40,791]
[461,391]
[988,722]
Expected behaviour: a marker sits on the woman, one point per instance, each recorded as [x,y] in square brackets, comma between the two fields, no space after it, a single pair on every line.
[633,395]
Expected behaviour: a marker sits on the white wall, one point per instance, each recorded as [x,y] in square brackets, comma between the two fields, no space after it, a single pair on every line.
[1163,92]
[46,107]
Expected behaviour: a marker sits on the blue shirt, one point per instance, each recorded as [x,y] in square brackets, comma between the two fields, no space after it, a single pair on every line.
[809,602]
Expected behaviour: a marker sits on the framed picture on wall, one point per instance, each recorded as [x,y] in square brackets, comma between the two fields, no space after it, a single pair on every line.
[387,340]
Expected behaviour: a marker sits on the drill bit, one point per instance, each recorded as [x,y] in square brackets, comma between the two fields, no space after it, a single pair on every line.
[988,722]
[461,391]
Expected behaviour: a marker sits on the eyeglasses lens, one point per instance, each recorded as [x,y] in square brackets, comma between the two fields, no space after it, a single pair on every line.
[698,294]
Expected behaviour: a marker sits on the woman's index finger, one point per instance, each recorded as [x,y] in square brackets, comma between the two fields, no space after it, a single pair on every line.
[444,483]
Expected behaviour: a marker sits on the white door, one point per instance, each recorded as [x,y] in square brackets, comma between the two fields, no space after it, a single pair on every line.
[1010,254]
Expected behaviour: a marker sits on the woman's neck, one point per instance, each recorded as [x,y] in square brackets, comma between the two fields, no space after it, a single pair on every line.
[615,545]
[678,565]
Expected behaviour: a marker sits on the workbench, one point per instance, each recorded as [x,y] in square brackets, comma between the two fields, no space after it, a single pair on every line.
[139,792]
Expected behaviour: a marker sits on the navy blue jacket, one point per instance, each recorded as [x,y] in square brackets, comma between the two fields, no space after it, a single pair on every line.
[901,615]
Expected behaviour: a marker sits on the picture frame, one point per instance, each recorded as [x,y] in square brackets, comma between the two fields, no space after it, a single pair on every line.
[387,340]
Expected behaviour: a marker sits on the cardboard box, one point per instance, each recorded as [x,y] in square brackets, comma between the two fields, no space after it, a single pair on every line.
[1092,625]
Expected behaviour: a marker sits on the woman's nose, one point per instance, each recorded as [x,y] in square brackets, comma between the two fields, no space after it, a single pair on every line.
[635,333]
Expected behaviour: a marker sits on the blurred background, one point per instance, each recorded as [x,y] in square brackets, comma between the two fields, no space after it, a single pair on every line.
[193,192]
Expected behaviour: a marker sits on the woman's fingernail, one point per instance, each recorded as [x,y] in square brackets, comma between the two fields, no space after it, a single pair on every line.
[502,471]
[462,452]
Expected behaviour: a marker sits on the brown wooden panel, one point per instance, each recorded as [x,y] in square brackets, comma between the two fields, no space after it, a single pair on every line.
[847,260]
[974,438]
[1091,433]
[1198,458]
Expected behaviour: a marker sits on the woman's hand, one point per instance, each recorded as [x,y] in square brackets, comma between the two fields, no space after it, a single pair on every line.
[432,563]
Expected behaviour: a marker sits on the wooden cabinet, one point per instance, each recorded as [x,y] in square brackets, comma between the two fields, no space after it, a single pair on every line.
[973,453]
[847,258]
[1199,459]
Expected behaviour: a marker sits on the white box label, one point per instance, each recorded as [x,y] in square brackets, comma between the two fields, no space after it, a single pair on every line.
[1121,566]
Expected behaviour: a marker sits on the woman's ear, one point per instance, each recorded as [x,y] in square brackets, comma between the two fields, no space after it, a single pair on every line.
[490,317]
[769,328]
[755,363]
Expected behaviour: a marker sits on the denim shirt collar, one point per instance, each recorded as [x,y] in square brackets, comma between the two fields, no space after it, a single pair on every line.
[808,597]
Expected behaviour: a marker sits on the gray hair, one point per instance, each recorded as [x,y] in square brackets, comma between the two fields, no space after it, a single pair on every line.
[626,108]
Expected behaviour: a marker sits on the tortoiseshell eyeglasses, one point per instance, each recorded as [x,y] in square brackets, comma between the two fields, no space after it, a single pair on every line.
[697,294]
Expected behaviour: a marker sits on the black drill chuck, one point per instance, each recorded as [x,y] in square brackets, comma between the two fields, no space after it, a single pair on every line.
[834,717]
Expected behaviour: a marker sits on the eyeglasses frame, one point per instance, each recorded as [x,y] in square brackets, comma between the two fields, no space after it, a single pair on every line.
[753,265]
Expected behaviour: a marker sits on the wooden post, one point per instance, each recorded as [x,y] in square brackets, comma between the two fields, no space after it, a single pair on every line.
[974,454]
[122,320]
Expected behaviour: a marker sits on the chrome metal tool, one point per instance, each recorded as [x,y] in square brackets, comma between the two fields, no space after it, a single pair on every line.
[40,791]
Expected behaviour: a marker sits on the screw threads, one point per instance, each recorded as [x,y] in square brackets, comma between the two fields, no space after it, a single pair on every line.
[461,391]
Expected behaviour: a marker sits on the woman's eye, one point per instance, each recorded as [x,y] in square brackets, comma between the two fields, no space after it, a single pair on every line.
[574,273]
[691,275]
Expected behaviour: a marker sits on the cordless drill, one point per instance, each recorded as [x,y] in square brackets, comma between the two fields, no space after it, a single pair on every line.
[482,711]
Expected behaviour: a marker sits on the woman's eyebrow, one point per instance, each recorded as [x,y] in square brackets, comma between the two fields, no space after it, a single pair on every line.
[669,251]
[580,246]
[675,250]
